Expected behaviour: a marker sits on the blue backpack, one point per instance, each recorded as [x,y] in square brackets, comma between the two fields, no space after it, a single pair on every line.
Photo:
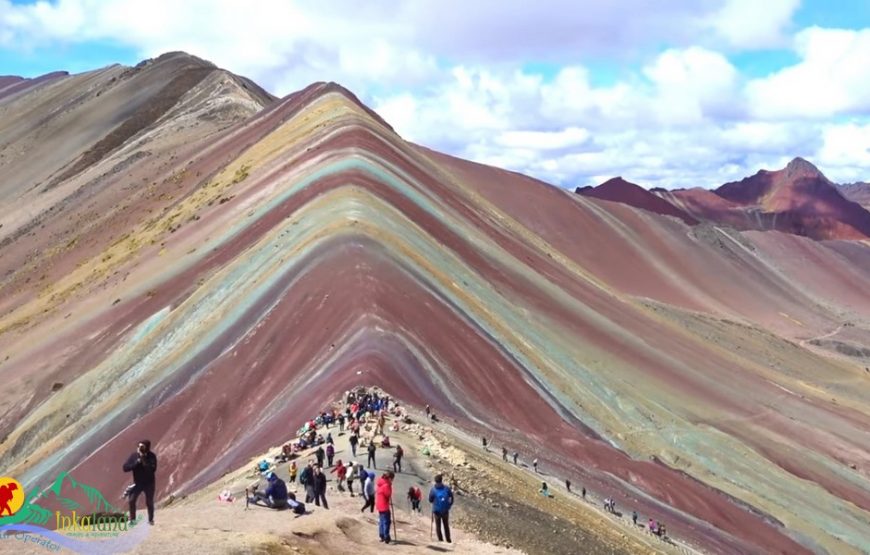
[442,499]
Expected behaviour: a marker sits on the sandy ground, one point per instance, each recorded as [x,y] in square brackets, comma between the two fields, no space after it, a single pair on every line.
[497,510]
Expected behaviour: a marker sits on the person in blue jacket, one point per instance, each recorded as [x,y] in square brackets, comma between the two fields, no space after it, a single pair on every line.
[275,496]
[441,498]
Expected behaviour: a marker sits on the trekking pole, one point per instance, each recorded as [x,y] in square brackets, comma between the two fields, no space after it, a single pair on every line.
[431,525]
[395,527]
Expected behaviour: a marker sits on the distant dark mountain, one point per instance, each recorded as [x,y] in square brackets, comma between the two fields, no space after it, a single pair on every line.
[857,192]
[620,190]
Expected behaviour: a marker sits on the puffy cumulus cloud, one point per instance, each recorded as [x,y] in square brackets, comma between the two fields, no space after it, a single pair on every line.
[748,24]
[830,79]
[846,148]
[445,74]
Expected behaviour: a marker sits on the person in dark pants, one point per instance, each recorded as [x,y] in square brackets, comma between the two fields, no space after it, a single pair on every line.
[354,440]
[143,465]
[371,460]
[320,454]
[441,498]
[369,492]
[384,505]
[320,487]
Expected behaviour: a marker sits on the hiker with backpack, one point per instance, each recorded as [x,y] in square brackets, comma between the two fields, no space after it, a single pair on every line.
[275,496]
[371,460]
[306,480]
[414,498]
[441,498]
[397,459]
[320,487]
[369,493]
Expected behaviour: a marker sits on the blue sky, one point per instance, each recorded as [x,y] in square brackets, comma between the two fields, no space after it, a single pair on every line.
[685,93]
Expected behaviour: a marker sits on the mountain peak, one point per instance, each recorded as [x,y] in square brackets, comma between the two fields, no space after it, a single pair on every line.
[799,167]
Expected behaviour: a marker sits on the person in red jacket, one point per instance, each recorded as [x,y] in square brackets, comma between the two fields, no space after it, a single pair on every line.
[383,504]
[341,473]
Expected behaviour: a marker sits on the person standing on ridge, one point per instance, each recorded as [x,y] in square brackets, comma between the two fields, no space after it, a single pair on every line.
[320,487]
[330,454]
[369,493]
[583,492]
[441,497]
[414,497]
[504,454]
[306,479]
[293,471]
[371,450]
[568,485]
[354,440]
[535,464]
[320,454]
[383,504]
[143,465]
[397,459]
[515,457]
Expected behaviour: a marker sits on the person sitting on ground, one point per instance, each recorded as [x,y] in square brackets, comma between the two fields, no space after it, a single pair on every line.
[320,440]
[414,497]
[329,440]
[385,442]
[653,527]
[275,496]
[394,427]
[663,533]
[545,491]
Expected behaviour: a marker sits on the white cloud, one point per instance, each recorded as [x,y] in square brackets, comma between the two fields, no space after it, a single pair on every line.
[684,116]
[749,24]
[830,79]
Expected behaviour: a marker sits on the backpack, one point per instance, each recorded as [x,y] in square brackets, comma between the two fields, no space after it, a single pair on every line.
[305,477]
[330,450]
[442,500]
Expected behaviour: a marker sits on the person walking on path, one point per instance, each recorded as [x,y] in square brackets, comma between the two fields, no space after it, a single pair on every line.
[354,440]
[143,465]
[515,457]
[369,493]
[330,454]
[397,459]
[504,454]
[371,460]
[535,464]
[583,492]
[340,472]
[383,504]
[320,454]
[634,517]
[441,498]
[414,497]
[351,476]
[568,485]
[320,487]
